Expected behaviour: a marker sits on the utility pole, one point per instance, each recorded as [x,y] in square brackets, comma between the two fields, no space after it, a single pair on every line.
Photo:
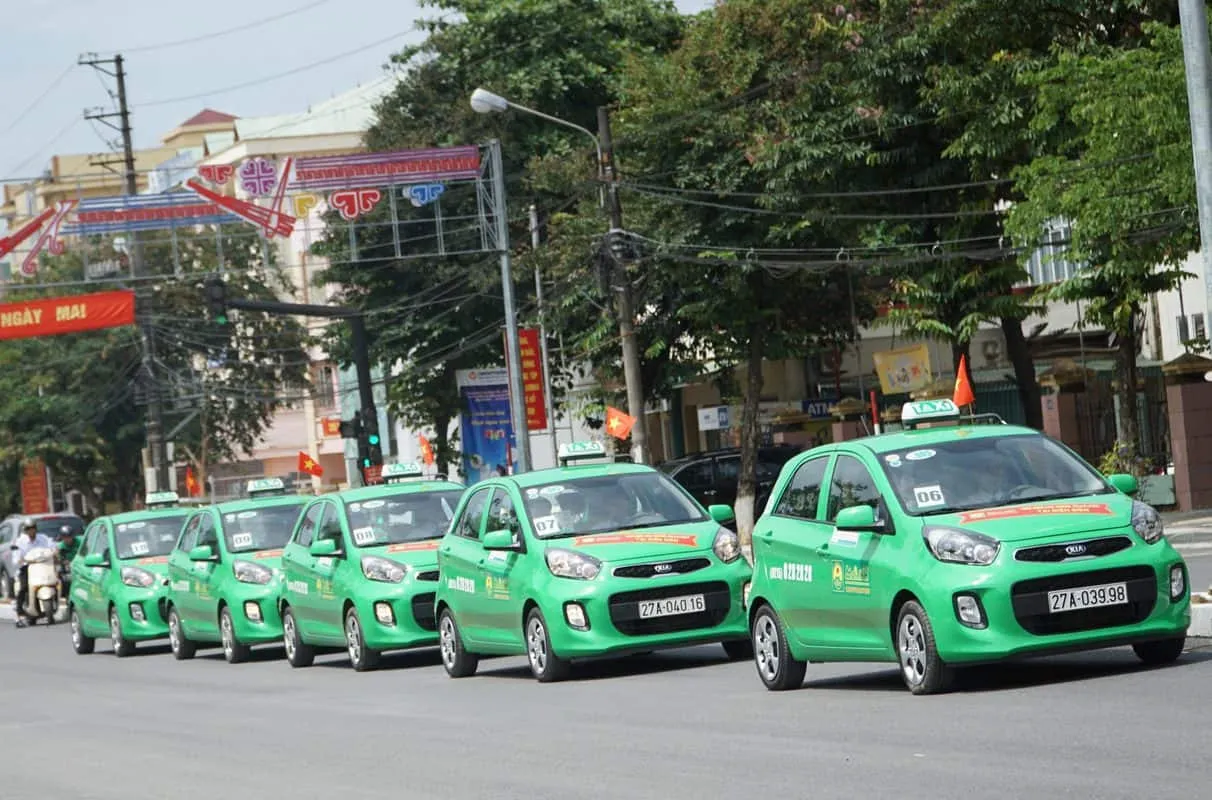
[623,299]
[1193,16]
[538,296]
[156,443]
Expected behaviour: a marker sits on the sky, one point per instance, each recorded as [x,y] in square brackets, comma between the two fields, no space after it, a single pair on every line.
[339,44]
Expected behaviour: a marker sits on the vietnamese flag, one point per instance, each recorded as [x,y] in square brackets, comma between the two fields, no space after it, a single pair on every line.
[192,487]
[308,465]
[963,395]
[618,424]
[426,451]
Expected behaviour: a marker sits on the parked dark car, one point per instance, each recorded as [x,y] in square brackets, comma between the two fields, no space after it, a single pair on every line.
[712,477]
[57,525]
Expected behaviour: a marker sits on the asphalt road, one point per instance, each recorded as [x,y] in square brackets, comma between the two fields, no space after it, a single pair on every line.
[664,726]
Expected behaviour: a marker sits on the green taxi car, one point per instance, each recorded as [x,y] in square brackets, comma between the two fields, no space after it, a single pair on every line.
[951,544]
[225,577]
[587,561]
[119,576]
[361,569]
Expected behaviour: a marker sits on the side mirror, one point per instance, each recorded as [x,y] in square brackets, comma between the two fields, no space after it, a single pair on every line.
[722,514]
[500,540]
[323,548]
[857,518]
[1124,483]
[93,560]
[203,553]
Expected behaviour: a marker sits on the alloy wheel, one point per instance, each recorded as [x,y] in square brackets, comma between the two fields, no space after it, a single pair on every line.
[353,638]
[766,647]
[446,639]
[536,640]
[288,638]
[911,646]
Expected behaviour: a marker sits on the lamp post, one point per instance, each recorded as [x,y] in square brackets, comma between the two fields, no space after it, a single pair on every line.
[486,102]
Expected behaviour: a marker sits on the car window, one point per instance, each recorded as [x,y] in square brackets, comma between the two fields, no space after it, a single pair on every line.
[502,516]
[768,470]
[263,528]
[728,469]
[852,485]
[468,525]
[405,516]
[696,475]
[94,541]
[207,535]
[142,538]
[189,534]
[580,506]
[801,498]
[307,528]
[330,526]
[6,533]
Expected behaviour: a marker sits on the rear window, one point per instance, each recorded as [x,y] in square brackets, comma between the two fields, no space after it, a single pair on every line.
[60,527]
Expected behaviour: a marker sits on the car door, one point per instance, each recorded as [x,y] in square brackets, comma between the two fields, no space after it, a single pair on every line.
[86,581]
[727,477]
[326,605]
[499,595]
[7,531]
[181,572]
[860,564]
[459,558]
[698,478]
[204,608]
[786,542]
[297,567]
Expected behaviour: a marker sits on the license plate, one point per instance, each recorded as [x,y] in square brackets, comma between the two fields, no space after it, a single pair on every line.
[670,606]
[1106,594]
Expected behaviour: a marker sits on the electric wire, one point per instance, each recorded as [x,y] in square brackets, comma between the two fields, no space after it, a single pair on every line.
[206,37]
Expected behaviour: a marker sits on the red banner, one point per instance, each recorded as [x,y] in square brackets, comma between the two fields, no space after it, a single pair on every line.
[35,493]
[82,312]
[533,386]
[332,426]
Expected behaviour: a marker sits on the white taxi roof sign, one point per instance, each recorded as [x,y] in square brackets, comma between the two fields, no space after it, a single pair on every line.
[394,473]
[580,451]
[161,499]
[929,411]
[266,486]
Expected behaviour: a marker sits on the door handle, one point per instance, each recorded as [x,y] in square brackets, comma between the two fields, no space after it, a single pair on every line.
[823,550]
[766,535]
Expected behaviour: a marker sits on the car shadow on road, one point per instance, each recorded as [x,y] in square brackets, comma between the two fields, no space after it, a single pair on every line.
[392,660]
[1025,674]
[616,667]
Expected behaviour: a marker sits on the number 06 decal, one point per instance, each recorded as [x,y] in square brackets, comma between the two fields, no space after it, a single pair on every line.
[928,496]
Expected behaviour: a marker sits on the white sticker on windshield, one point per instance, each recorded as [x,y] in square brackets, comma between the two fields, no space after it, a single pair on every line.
[374,504]
[363,535]
[893,460]
[139,548]
[241,540]
[532,493]
[928,496]
[920,455]
[246,515]
[545,526]
[551,491]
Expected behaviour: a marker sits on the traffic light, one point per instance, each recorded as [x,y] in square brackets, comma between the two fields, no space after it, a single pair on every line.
[374,452]
[216,300]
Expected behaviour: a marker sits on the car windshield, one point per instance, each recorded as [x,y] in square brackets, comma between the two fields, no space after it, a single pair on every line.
[604,503]
[986,472]
[53,526]
[408,516]
[143,538]
[265,528]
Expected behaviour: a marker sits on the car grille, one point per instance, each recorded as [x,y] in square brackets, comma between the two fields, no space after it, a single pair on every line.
[430,575]
[673,568]
[422,611]
[1056,552]
[1030,601]
[625,610]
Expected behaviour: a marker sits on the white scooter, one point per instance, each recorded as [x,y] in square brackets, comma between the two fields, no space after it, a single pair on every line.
[43,574]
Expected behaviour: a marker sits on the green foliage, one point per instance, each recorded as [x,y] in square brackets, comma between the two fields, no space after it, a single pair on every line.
[1125,460]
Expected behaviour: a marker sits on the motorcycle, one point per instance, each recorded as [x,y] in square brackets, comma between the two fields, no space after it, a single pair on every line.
[44,586]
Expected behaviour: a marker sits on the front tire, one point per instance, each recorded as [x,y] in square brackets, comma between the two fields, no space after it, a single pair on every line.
[361,657]
[922,669]
[83,645]
[777,668]
[298,654]
[183,648]
[1157,653]
[458,662]
[545,665]
[234,650]
[122,647]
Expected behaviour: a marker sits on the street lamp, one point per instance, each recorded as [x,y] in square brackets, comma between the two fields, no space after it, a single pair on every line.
[485,102]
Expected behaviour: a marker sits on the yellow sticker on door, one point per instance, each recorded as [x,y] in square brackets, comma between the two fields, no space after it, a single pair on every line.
[851,577]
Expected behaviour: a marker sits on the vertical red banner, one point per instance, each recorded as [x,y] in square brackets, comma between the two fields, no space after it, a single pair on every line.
[35,492]
[533,385]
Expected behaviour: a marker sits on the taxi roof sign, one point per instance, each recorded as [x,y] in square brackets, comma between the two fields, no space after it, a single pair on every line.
[395,473]
[928,411]
[580,451]
[262,486]
[161,499]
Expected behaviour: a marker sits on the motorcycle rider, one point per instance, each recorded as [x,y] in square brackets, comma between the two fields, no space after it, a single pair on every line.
[28,540]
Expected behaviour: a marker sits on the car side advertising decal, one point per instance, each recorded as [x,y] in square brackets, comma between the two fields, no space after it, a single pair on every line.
[1100,509]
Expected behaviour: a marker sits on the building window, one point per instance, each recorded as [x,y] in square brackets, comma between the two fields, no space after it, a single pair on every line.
[324,386]
[1197,326]
[1184,331]
[1049,264]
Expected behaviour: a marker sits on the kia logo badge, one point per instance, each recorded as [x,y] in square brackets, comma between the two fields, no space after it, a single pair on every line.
[663,568]
[1075,549]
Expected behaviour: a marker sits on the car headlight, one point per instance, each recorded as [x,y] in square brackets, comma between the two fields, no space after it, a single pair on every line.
[250,572]
[383,569]
[957,546]
[1146,522]
[727,546]
[139,578]
[571,564]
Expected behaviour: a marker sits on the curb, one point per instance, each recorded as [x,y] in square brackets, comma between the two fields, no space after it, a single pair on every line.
[1201,617]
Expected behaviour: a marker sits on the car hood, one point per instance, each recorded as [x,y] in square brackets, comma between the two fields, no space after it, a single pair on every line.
[415,554]
[642,544]
[270,558]
[156,565]
[1038,519]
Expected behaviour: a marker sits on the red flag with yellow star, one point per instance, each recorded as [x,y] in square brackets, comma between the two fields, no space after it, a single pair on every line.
[192,487]
[308,464]
[426,451]
[618,424]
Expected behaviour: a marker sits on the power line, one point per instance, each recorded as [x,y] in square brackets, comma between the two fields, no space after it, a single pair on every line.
[53,141]
[25,112]
[235,29]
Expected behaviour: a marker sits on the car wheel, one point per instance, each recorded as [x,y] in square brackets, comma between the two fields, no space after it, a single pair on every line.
[234,650]
[183,648]
[777,668]
[545,665]
[297,653]
[122,647]
[922,668]
[738,649]
[83,645]
[458,662]
[362,658]
[1164,651]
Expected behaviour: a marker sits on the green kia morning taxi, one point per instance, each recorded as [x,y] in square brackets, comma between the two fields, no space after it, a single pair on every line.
[950,544]
[225,575]
[361,569]
[119,576]
[587,561]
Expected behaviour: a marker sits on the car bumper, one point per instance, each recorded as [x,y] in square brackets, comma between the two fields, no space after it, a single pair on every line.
[1018,621]
[612,610]
[255,617]
[141,613]
[400,617]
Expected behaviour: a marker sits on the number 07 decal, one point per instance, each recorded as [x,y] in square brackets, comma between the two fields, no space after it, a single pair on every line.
[928,496]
